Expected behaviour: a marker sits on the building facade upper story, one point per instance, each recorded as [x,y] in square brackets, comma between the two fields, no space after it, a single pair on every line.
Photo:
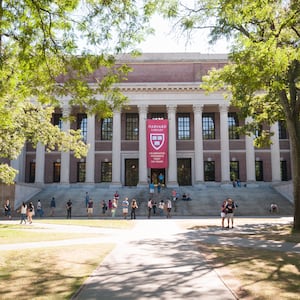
[203,144]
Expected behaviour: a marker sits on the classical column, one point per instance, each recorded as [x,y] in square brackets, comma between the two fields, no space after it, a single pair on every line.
[65,156]
[198,144]
[116,150]
[39,163]
[224,139]
[250,156]
[142,145]
[90,158]
[19,164]
[275,153]
[172,172]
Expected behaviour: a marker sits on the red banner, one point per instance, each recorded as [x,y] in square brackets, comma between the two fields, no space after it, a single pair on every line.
[157,144]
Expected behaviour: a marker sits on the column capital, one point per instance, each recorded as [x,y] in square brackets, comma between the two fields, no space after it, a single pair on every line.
[66,109]
[172,108]
[198,108]
[143,108]
[223,107]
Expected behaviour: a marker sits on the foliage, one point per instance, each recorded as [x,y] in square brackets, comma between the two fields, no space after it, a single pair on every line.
[49,52]
[263,76]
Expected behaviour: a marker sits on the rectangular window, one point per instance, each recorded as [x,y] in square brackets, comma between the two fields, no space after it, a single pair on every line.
[283,169]
[282,130]
[209,171]
[259,171]
[234,170]
[106,171]
[183,127]
[56,120]
[32,172]
[258,131]
[106,129]
[208,126]
[56,172]
[81,171]
[158,116]
[132,127]
[82,125]
[233,124]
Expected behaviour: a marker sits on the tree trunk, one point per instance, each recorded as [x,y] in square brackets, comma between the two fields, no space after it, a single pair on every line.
[295,162]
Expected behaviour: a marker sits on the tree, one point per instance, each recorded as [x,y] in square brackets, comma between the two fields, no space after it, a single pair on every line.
[49,49]
[263,75]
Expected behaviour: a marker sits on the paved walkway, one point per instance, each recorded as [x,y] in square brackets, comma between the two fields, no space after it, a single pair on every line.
[158,259]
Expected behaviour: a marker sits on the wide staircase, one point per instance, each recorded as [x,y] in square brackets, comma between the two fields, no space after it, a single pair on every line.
[251,201]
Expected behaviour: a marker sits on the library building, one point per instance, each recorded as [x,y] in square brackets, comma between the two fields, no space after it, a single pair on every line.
[170,130]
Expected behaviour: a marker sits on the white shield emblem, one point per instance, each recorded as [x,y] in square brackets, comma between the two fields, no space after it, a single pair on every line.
[157,140]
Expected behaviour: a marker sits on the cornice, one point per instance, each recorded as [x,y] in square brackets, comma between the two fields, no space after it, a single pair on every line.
[160,87]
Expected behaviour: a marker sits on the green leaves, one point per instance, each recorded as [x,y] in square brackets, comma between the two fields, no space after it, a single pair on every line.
[52,50]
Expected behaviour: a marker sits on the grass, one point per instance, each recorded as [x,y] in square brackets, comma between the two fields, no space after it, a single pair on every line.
[53,272]
[48,273]
[256,274]
[13,234]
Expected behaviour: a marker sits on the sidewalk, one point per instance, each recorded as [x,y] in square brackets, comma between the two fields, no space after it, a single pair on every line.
[159,259]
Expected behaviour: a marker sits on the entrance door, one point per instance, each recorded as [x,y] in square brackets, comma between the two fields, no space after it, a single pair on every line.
[131,172]
[184,171]
[156,174]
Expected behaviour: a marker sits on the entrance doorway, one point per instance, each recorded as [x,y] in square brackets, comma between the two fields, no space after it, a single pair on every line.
[131,172]
[184,171]
[157,174]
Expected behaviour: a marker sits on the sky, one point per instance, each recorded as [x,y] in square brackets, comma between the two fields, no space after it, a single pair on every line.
[167,41]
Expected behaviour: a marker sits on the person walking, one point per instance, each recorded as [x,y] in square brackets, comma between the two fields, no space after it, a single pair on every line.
[103,207]
[169,208]
[39,209]
[230,207]
[52,206]
[161,207]
[30,212]
[134,207]
[223,212]
[23,211]
[90,208]
[154,206]
[110,206]
[151,189]
[125,205]
[69,209]
[87,199]
[150,204]
[114,207]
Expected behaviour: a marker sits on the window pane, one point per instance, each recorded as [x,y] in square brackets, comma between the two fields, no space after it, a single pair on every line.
[56,172]
[233,124]
[282,130]
[106,171]
[107,129]
[183,127]
[283,169]
[132,126]
[82,125]
[158,116]
[209,171]
[259,171]
[81,172]
[234,170]
[56,120]
[208,126]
